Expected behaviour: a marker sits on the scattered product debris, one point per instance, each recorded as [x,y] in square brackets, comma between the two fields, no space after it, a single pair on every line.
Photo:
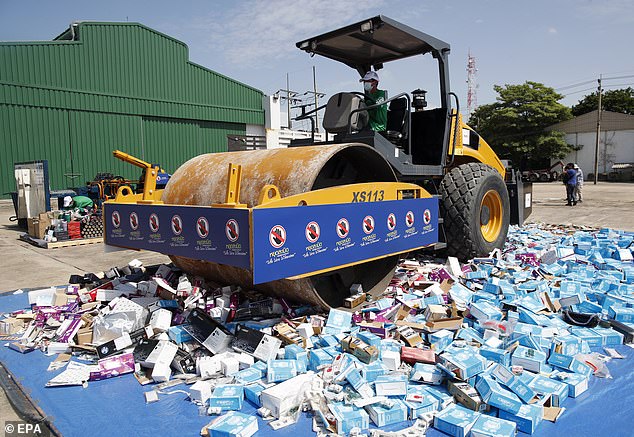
[497,344]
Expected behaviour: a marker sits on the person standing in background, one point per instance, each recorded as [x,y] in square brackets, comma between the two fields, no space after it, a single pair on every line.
[570,180]
[579,186]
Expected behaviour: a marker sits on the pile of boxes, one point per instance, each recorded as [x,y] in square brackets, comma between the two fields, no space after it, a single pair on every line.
[486,348]
[54,226]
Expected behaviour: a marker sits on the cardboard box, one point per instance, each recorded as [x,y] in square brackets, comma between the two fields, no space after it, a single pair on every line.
[530,359]
[200,391]
[254,342]
[527,418]
[280,370]
[467,396]
[496,396]
[440,340]
[557,391]
[359,383]
[234,424]
[577,383]
[487,426]
[357,347]
[227,397]
[569,363]
[383,416]
[37,226]
[373,370]
[208,332]
[427,373]
[413,355]
[283,397]
[463,364]
[252,393]
[456,420]
[419,401]
[348,417]
[394,384]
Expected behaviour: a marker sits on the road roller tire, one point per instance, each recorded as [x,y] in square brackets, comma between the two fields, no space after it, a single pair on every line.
[475,207]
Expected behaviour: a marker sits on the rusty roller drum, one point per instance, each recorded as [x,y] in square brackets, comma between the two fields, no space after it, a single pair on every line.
[203,181]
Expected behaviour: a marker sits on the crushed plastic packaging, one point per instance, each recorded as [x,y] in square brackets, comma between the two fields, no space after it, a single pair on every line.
[493,326]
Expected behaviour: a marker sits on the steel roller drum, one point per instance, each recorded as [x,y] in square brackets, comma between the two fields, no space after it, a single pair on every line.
[203,181]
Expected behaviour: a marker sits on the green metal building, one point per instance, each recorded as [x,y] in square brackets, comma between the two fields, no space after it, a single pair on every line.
[104,86]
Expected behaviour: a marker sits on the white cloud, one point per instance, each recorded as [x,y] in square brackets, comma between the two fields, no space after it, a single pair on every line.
[256,31]
[552,31]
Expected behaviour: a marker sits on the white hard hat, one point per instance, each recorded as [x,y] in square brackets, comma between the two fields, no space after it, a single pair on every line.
[370,75]
[67,201]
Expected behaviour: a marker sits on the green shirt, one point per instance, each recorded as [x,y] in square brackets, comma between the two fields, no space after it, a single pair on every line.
[378,116]
[82,202]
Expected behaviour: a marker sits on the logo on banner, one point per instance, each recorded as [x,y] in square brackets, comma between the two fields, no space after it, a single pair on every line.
[202,227]
[134,221]
[409,219]
[391,221]
[368,224]
[232,230]
[116,219]
[277,236]
[343,228]
[177,225]
[154,222]
[312,232]
[427,216]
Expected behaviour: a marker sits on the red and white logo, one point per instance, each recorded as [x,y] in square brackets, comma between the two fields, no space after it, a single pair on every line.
[427,216]
[134,221]
[154,222]
[232,230]
[343,228]
[409,219]
[116,219]
[177,224]
[391,222]
[312,232]
[202,227]
[277,236]
[368,224]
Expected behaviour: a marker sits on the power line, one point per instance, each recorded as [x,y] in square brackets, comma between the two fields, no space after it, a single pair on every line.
[594,88]
[592,81]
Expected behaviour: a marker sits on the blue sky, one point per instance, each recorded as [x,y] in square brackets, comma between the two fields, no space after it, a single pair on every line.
[557,42]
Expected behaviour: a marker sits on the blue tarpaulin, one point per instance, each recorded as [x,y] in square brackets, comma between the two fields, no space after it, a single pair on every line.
[117,406]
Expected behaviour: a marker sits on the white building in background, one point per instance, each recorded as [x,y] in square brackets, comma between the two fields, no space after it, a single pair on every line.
[616,143]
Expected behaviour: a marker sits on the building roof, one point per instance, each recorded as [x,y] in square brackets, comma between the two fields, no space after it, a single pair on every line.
[610,121]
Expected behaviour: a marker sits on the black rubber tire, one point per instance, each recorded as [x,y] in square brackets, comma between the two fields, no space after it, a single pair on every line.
[544,177]
[462,190]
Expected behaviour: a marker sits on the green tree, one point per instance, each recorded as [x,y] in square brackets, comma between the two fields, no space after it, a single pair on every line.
[621,100]
[514,126]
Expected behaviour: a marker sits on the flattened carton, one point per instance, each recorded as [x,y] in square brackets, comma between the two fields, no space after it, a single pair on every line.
[527,418]
[456,420]
[487,426]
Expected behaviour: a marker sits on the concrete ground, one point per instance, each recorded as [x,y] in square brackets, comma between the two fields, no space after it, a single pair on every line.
[25,266]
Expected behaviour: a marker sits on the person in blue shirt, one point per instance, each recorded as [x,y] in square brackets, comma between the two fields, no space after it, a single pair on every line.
[570,179]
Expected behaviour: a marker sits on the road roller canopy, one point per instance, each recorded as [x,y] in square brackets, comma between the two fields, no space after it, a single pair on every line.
[372,42]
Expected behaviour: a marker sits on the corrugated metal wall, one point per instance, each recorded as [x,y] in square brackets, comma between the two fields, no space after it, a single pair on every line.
[118,85]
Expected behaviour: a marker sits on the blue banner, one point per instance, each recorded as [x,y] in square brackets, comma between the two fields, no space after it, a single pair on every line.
[297,240]
[219,235]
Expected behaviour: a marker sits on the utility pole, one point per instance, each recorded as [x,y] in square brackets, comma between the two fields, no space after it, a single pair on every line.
[288,101]
[596,146]
[316,97]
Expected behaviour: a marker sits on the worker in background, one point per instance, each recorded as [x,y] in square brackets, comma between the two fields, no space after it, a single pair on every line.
[81,202]
[570,180]
[579,186]
[373,96]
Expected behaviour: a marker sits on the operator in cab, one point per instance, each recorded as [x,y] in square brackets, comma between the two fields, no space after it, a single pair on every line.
[373,95]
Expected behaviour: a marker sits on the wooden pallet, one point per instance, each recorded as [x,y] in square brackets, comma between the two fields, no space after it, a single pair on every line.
[58,244]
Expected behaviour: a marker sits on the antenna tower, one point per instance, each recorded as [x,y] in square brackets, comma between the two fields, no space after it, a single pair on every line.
[472,86]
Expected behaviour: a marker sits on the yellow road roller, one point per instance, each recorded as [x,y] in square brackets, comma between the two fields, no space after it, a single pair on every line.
[309,221]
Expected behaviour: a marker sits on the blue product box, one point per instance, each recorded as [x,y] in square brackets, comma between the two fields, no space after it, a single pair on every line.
[393,384]
[463,364]
[318,358]
[358,382]
[348,417]
[247,376]
[440,340]
[280,370]
[252,392]
[588,307]
[227,397]
[568,362]
[530,359]
[527,418]
[470,334]
[370,338]
[483,310]
[443,396]
[421,401]
[557,390]
[427,373]
[515,384]
[592,338]
[577,383]
[609,337]
[500,356]
[487,426]
[456,420]
[373,370]
[338,321]
[261,366]
[621,314]
[178,334]
[566,344]
[460,293]
[233,424]
[434,299]
[390,345]
[495,395]
[329,340]
[382,416]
